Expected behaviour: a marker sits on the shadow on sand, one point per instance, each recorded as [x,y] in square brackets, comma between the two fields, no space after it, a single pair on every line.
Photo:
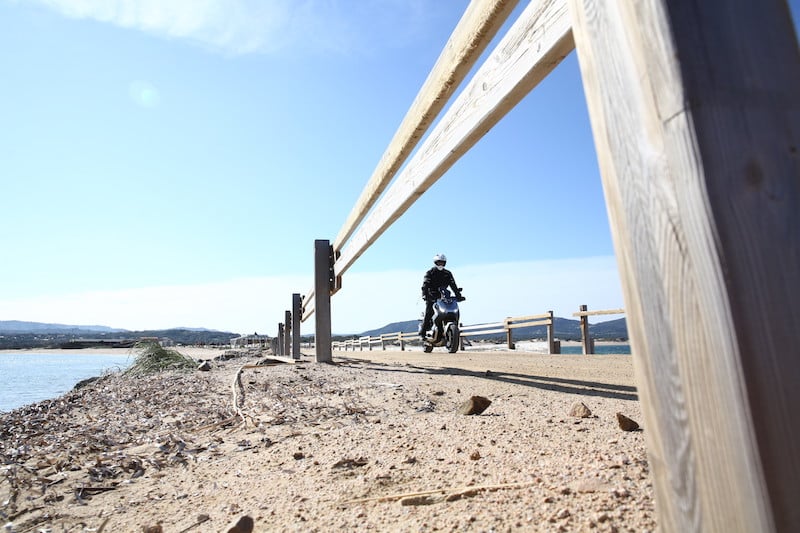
[567,386]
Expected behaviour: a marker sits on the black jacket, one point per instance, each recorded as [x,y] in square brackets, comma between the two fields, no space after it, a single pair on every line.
[436,279]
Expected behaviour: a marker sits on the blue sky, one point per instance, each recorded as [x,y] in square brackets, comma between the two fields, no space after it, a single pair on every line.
[171,164]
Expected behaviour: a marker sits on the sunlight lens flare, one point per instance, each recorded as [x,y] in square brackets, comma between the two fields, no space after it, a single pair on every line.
[144,94]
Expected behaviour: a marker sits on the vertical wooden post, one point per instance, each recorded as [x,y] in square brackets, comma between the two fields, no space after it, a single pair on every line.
[402,343]
[551,337]
[696,124]
[585,338]
[280,338]
[297,311]
[323,281]
[509,335]
[287,333]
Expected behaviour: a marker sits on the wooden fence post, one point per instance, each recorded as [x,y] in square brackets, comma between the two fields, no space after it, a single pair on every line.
[280,338]
[296,316]
[551,339]
[696,124]
[402,342]
[586,340]
[509,335]
[323,281]
[287,333]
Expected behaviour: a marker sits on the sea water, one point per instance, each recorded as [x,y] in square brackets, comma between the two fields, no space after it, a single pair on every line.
[599,349]
[29,377]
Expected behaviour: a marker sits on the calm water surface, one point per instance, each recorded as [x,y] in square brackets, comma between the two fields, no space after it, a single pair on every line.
[599,349]
[29,377]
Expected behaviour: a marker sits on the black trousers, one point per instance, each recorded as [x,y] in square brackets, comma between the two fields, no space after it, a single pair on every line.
[426,322]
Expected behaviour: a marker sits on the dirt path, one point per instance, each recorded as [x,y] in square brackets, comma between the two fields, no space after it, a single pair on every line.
[372,442]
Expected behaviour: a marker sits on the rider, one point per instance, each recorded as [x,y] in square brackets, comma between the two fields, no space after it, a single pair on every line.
[435,279]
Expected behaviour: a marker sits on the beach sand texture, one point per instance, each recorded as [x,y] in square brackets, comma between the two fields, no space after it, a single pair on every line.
[374,441]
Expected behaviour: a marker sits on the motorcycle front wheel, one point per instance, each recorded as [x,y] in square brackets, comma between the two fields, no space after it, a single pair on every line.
[452,338]
[427,348]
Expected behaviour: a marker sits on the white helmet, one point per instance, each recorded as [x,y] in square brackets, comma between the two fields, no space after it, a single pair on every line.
[439,258]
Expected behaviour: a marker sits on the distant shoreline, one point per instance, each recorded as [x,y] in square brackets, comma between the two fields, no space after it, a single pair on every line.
[191,351]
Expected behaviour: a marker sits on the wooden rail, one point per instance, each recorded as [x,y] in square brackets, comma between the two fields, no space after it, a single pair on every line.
[534,45]
[472,35]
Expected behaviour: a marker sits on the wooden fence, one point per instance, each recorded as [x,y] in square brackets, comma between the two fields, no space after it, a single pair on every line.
[694,111]
[398,337]
[506,326]
[587,343]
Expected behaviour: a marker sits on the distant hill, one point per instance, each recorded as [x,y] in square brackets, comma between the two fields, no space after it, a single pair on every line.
[15,334]
[611,329]
[565,329]
[18,326]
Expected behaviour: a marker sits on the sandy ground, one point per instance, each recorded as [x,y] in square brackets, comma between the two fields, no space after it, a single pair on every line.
[375,441]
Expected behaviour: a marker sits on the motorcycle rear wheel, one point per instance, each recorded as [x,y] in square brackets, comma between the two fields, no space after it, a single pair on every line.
[452,338]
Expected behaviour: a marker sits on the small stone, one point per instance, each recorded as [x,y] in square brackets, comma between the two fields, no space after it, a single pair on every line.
[243,525]
[475,405]
[475,455]
[298,455]
[153,529]
[85,382]
[626,424]
[205,366]
[580,410]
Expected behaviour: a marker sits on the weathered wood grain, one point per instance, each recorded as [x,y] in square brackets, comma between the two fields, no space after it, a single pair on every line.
[695,117]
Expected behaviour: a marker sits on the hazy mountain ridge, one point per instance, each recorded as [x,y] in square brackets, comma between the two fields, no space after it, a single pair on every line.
[16,334]
[19,326]
[565,328]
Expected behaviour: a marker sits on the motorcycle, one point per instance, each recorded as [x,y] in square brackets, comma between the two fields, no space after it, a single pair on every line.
[445,323]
